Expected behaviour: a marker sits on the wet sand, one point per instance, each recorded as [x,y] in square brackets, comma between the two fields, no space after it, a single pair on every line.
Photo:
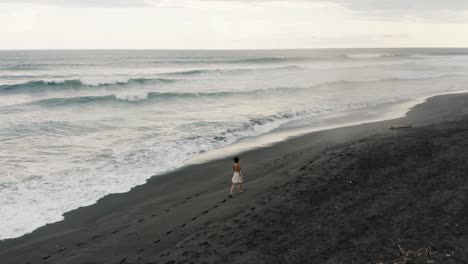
[360,194]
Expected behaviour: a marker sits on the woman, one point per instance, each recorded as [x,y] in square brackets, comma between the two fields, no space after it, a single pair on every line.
[237,177]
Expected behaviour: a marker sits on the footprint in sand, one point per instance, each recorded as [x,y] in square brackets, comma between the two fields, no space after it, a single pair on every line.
[61,250]
[203,244]
[96,237]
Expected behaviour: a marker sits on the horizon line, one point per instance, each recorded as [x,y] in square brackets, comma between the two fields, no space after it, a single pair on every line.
[226,49]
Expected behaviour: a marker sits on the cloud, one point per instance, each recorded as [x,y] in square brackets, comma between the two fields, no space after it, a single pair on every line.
[402,7]
[409,6]
[405,5]
[435,10]
[99,3]
[428,10]
[432,9]
[386,5]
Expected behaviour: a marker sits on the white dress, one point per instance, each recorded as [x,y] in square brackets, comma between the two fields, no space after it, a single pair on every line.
[237,177]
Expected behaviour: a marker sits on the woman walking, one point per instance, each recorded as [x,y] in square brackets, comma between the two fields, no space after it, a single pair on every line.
[237,178]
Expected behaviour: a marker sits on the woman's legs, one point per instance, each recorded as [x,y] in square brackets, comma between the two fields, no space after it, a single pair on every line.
[232,188]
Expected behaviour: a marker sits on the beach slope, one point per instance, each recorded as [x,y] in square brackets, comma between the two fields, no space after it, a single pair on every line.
[361,194]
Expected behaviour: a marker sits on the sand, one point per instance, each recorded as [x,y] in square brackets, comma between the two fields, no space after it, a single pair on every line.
[360,194]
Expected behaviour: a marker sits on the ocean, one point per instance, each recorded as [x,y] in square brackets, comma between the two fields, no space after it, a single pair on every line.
[78,125]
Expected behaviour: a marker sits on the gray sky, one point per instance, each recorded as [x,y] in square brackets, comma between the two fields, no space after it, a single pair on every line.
[232,24]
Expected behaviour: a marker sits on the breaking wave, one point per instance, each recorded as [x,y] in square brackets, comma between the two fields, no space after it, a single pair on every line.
[142,96]
[42,86]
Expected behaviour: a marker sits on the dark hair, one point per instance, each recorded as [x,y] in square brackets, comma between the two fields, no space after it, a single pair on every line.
[236,159]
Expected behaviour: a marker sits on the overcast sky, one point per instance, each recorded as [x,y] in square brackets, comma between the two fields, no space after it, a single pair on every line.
[231,24]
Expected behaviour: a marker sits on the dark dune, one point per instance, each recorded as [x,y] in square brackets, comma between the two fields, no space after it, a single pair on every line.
[361,194]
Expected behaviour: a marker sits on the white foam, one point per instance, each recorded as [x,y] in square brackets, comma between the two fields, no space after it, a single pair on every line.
[132,97]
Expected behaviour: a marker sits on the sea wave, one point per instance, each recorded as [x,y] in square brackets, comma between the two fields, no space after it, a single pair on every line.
[372,55]
[268,60]
[139,97]
[258,60]
[23,67]
[275,60]
[134,98]
[228,71]
[196,61]
[41,85]
[261,125]
[142,96]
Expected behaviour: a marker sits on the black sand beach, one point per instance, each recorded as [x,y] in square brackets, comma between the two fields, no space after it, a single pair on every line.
[361,194]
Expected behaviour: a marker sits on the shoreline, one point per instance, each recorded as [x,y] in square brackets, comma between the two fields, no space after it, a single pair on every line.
[393,111]
[177,191]
[387,111]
